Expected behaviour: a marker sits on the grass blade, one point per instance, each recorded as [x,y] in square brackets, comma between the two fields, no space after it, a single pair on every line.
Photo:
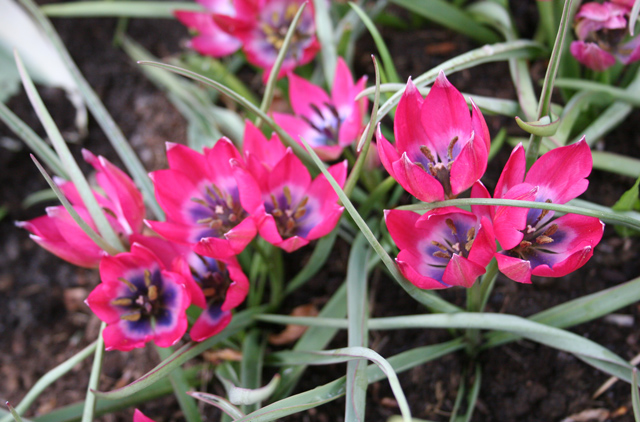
[33,141]
[180,386]
[387,61]
[125,9]
[358,314]
[219,402]
[88,413]
[635,395]
[451,17]
[74,214]
[325,33]
[99,111]
[251,369]
[78,179]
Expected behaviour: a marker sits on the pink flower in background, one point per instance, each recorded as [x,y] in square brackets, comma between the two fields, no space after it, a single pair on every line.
[200,196]
[58,233]
[440,149]
[533,243]
[138,416]
[211,39]
[140,300]
[328,124]
[261,26]
[290,209]
[442,248]
[215,286]
[601,29]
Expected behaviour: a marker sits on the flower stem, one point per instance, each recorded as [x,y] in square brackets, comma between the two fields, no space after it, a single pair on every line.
[94,378]
[474,303]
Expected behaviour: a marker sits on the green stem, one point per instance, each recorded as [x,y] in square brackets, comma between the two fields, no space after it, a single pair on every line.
[488,281]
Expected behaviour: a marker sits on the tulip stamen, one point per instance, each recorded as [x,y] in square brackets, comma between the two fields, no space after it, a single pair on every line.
[225,212]
[450,148]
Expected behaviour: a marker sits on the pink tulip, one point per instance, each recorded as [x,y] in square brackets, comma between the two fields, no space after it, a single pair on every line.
[601,29]
[200,196]
[215,286]
[290,209]
[140,300]
[533,243]
[58,233]
[328,124]
[442,248]
[440,149]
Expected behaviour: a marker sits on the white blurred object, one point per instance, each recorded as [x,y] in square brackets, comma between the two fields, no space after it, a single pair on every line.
[19,31]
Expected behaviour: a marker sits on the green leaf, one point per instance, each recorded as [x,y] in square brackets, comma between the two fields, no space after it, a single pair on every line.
[219,402]
[616,163]
[248,396]
[628,219]
[78,179]
[544,105]
[240,321]
[180,386]
[33,141]
[13,413]
[129,9]
[635,395]
[358,314]
[541,127]
[486,54]
[325,33]
[95,237]
[88,413]
[449,16]
[627,202]
[251,374]
[316,261]
[102,116]
[387,60]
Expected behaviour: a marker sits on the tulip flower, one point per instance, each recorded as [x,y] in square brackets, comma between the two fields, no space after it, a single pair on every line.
[215,286]
[442,248]
[199,194]
[211,39]
[533,243]
[601,29]
[440,149]
[121,201]
[289,208]
[328,124]
[140,300]
[259,27]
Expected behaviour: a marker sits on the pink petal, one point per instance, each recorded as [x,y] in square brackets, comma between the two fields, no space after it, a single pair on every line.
[388,154]
[402,228]
[187,161]
[303,93]
[166,336]
[138,416]
[561,173]
[592,56]
[269,152]
[219,158]
[484,244]
[238,289]
[513,172]
[479,126]
[289,172]
[208,325]
[417,181]
[445,115]
[469,166]
[417,279]
[478,190]
[116,338]
[174,191]
[516,269]
[292,244]
[509,221]
[341,90]
[409,132]
[461,272]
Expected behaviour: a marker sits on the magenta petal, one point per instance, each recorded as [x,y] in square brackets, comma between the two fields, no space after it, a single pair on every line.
[388,154]
[445,115]
[513,172]
[269,230]
[561,173]
[138,416]
[249,191]
[509,221]
[417,181]
[241,235]
[115,338]
[479,126]
[461,272]
[592,56]
[214,248]
[209,324]
[417,279]
[484,244]
[478,190]
[269,152]
[187,161]
[292,243]
[330,220]
[341,91]
[174,191]
[99,298]
[289,172]
[402,228]
[515,268]
[629,52]
[409,132]
[238,289]
[169,334]
[469,166]
[303,93]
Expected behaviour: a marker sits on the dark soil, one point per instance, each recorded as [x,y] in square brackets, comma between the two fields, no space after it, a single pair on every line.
[44,322]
